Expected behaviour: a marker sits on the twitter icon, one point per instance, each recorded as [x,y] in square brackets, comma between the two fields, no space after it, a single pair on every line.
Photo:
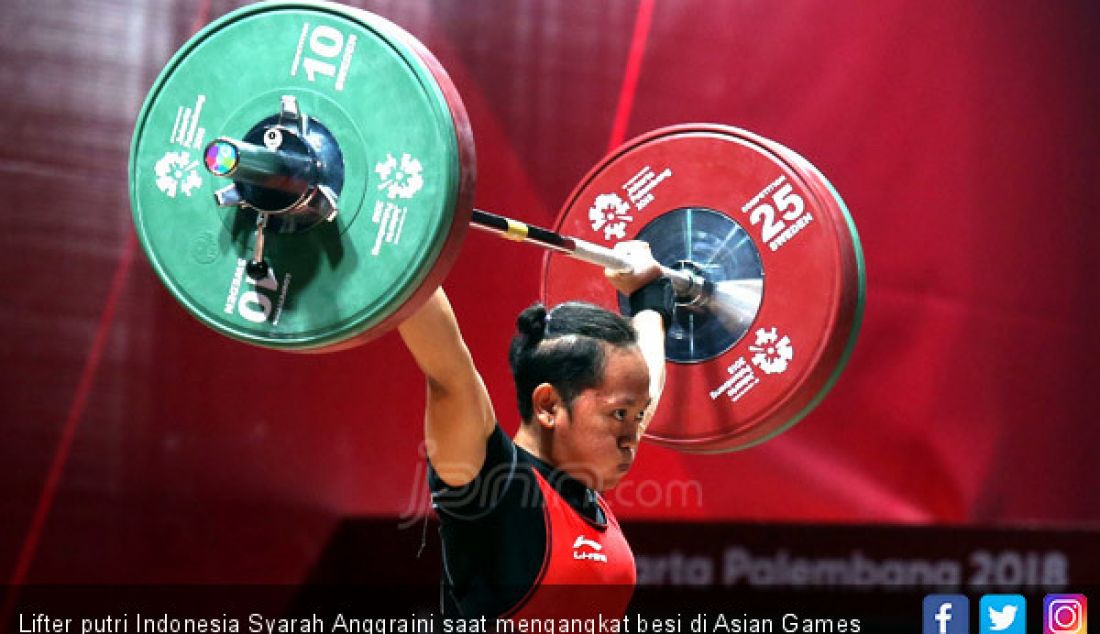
[1003,614]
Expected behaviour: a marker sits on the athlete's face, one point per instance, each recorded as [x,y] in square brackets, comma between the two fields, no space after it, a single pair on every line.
[596,439]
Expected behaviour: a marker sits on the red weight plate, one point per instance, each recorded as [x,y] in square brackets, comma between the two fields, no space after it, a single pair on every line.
[743,211]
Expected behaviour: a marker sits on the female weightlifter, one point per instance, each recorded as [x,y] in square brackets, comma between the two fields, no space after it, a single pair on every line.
[525,532]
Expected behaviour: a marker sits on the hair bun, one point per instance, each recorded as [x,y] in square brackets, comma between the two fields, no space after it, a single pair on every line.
[532,323]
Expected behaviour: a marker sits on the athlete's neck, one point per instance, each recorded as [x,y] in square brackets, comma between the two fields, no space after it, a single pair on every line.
[530,438]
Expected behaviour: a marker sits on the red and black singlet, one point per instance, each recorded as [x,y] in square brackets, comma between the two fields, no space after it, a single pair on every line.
[524,540]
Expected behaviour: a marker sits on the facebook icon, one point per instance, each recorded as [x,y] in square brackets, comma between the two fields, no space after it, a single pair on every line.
[946,614]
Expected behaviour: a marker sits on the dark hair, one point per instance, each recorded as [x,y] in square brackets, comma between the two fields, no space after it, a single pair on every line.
[563,347]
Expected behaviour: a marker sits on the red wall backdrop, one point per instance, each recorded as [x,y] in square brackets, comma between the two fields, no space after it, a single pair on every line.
[138,446]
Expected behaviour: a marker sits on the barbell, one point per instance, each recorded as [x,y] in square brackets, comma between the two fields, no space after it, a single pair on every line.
[309,195]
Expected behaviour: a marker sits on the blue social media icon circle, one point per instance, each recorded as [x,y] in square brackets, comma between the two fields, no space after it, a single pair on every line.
[946,614]
[1002,614]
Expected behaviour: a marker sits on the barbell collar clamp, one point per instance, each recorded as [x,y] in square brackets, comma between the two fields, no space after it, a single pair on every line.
[257,269]
[284,166]
[228,196]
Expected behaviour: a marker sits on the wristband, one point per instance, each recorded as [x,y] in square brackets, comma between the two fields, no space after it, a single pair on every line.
[657,296]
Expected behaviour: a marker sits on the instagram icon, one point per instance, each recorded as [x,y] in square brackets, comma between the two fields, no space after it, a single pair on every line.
[1065,614]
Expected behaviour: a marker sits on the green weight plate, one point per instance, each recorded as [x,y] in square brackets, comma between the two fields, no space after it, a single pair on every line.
[406,199]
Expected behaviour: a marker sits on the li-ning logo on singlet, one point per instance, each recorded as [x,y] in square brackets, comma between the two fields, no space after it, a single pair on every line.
[593,556]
